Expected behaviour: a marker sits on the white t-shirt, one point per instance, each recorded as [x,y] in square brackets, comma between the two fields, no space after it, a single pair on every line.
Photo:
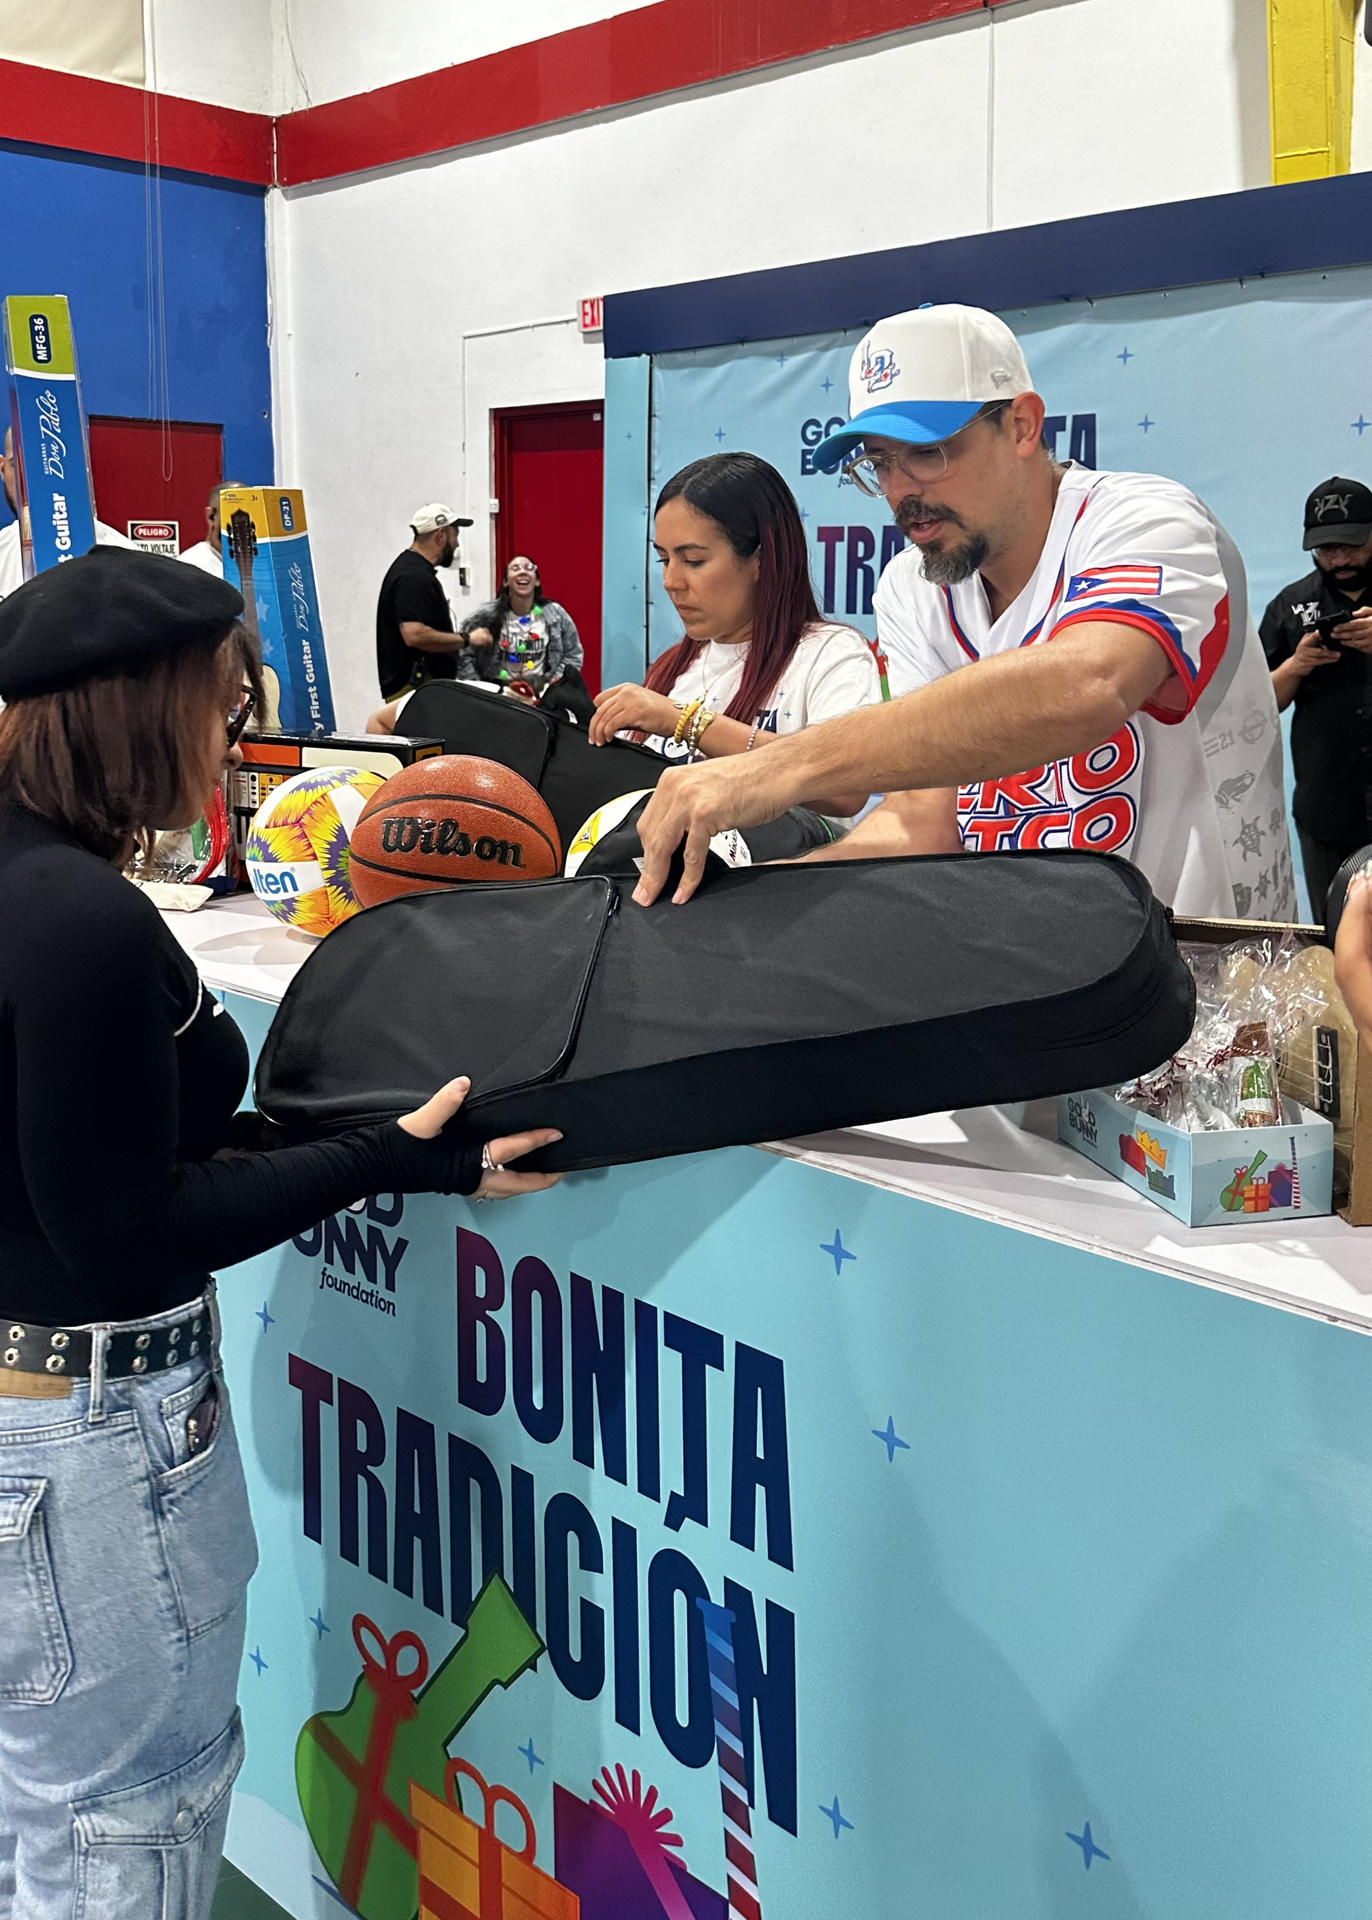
[832,671]
[1191,789]
[209,559]
[12,557]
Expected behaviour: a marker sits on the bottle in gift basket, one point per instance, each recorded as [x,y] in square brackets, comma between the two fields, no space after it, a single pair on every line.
[1254,1069]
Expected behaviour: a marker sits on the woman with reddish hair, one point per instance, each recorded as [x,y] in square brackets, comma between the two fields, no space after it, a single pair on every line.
[757,659]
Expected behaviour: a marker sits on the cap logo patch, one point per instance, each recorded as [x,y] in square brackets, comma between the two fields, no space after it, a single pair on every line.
[1000,378]
[879,368]
[1333,506]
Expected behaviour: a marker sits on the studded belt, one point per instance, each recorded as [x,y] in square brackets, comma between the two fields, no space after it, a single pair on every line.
[64,1353]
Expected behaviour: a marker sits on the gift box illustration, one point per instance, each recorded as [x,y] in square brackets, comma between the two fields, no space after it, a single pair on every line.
[355,1765]
[619,1859]
[466,1871]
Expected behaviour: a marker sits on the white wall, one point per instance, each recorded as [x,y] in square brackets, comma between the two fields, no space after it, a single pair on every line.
[387,286]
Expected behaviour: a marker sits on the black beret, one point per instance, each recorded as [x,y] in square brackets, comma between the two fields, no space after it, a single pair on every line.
[114,610]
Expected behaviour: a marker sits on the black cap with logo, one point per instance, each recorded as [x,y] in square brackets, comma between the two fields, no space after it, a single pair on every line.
[1338,514]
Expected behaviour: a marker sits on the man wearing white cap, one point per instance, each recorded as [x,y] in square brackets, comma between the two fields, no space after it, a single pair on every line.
[1148,729]
[414,625]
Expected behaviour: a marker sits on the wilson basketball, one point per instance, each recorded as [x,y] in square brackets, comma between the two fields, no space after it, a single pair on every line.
[443,821]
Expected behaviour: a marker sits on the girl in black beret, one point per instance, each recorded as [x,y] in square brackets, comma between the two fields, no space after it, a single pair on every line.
[125,1539]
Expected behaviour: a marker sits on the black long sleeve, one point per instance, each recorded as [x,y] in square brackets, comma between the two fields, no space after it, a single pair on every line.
[118,1080]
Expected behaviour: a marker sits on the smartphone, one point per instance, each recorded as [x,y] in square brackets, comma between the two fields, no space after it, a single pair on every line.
[1324,628]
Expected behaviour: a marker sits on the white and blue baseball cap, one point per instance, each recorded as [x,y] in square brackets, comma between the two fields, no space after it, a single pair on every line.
[920,376]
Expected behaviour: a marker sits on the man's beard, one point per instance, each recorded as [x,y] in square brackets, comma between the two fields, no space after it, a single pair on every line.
[952,565]
[1349,580]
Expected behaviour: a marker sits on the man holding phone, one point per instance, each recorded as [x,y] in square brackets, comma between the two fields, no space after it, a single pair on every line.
[1317,634]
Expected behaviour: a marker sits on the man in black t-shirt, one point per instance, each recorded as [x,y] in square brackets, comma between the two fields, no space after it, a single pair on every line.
[1327,670]
[414,626]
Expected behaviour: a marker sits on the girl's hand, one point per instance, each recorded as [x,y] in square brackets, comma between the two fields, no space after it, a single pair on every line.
[627,705]
[428,1121]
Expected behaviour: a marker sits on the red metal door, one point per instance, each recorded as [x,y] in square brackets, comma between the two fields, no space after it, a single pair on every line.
[128,463]
[549,478]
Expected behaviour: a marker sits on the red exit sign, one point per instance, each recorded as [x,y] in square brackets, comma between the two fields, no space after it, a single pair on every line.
[592,316]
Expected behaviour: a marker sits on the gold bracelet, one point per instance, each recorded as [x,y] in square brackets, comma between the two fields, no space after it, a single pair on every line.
[687,715]
[702,720]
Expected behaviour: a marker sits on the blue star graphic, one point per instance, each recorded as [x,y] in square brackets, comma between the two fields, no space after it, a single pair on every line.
[890,1439]
[319,1623]
[835,1813]
[534,1759]
[828,386]
[1360,426]
[256,1657]
[1126,357]
[719,433]
[804,514]
[267,1319]
[1146,423]
[1089,1850]
[781,359]
[838,1253]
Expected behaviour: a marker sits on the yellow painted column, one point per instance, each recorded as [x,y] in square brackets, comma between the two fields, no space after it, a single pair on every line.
[1310,81]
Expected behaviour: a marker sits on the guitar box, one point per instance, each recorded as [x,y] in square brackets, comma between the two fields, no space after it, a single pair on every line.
[781,1000]
[551,751]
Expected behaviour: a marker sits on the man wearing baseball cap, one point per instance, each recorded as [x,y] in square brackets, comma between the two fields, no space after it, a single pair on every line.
[414,625]
[1317,634]
[1147,729]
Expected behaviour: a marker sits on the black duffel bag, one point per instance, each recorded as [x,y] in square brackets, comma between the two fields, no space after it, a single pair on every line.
[551,751]
[781,1000]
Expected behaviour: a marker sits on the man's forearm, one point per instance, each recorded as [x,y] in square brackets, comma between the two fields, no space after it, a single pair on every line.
[1285,680]
[433,639]
[1001,716]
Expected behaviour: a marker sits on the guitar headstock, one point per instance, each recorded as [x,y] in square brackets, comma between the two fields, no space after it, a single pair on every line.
[242,538]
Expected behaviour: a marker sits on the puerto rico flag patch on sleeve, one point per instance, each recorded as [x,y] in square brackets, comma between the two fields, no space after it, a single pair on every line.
[1109,582]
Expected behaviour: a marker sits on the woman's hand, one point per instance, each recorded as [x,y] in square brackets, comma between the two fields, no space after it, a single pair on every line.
[428,1121]
[627,706]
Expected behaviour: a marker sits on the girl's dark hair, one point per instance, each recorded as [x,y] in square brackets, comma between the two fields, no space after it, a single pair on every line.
[752,504]
[114,759]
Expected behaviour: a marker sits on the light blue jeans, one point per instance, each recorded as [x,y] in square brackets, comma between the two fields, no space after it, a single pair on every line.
[124,1560]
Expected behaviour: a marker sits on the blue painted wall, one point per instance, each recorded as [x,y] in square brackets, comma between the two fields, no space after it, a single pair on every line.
[77,225]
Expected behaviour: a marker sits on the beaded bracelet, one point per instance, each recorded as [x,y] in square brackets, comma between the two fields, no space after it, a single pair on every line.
[687,714]
[702,720]
[752,736]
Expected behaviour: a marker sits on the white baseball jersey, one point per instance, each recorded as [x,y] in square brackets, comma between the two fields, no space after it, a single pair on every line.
[1191,789]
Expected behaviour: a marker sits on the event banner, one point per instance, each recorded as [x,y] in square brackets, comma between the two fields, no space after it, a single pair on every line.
[1178,383]
[724,1536]
[52,464]
[266,547]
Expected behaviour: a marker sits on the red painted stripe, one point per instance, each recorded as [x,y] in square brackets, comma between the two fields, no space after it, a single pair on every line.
[653,50]
[742,1902]
[70,111]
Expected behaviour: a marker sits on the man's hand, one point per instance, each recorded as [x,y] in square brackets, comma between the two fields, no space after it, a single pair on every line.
[628,705]
[1356,632]
[694,803]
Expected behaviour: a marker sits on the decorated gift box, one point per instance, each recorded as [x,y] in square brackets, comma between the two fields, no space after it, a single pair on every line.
[466,1871]
[1225,1177]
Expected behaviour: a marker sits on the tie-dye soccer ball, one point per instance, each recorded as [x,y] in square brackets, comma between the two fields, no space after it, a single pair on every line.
[297,850]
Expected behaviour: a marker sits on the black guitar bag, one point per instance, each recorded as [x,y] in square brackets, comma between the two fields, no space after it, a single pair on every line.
[551,751]
[780,1001]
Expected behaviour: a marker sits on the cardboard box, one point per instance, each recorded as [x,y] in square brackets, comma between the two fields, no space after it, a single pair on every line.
[51,459]
[1207,1179]
[1331,1074]
[266,545]
[269,759]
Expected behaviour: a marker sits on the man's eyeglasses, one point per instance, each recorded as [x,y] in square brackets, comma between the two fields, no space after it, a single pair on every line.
[240,717]
[872,472]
